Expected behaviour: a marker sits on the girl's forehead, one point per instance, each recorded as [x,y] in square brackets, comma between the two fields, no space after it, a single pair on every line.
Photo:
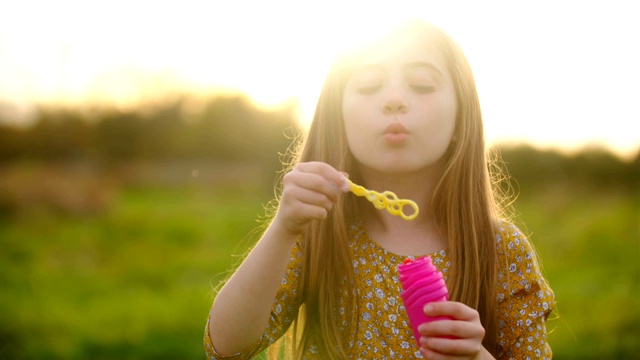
[405,43]
[401,53]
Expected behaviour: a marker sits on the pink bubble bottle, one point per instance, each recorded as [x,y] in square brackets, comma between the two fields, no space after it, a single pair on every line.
[421,283]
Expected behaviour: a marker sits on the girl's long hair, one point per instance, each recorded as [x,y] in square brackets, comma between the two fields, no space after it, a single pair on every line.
[463,205]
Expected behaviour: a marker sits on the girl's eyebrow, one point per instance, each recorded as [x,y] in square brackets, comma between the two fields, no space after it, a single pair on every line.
[369,68]
[425,64]
[365,68]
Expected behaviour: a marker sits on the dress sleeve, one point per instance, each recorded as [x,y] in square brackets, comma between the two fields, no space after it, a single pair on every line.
[283,312]
[525,299]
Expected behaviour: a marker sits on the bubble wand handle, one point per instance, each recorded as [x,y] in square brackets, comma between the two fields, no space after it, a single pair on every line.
[386,200]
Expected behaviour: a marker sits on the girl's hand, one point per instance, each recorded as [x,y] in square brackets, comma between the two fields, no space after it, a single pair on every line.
[457,338]
[309,192]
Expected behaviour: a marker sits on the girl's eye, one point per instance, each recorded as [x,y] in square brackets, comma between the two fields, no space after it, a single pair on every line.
[368,89]
[423,89]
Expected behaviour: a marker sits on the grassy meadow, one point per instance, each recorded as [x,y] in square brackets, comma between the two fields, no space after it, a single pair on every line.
[132,277]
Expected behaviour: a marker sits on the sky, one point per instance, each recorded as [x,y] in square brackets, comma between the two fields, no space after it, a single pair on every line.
[559,74]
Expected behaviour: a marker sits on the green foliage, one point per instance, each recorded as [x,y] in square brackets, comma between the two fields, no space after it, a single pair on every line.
[218,128]
[591,168]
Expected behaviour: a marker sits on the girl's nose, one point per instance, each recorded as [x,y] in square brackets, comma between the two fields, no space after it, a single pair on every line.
[394,104]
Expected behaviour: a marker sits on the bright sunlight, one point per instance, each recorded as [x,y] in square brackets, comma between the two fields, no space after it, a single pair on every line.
[546,73]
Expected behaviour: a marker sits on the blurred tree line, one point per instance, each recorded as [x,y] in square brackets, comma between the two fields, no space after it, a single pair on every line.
[228,128]
[233,129]
[589,169]
[75,160]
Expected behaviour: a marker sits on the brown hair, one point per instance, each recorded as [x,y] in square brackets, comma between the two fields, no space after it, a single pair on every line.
[462,202]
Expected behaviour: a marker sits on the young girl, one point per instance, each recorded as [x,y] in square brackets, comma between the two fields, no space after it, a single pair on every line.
[399,114]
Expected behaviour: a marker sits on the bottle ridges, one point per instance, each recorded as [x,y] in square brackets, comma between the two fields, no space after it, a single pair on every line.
[421,284]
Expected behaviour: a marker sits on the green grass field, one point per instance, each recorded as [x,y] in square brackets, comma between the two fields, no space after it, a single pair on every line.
[135,281]
[590,249]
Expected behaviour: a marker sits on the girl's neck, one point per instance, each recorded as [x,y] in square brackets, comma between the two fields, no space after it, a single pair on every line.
[415,237]
[417,185]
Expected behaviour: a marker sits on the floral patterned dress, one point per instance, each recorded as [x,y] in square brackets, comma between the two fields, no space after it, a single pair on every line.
[524,302]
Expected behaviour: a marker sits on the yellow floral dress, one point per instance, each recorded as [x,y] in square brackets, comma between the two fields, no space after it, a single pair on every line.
[524,302]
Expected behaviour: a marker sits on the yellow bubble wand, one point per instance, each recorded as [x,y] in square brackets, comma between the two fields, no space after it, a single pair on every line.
[386,200]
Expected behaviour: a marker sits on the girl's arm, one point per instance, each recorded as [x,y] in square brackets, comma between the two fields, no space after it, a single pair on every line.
[525,300]
[241,310]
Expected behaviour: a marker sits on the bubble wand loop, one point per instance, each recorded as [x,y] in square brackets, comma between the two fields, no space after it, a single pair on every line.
[386,200]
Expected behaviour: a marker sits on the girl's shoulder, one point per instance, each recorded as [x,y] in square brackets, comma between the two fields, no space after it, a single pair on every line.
[506,230]
[518,266]
[511,241]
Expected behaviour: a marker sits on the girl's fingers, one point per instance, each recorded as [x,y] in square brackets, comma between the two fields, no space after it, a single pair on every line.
[303,213]
[465,321]
[432,354]
[326,171]
[456,310]
[301,196]
[309,193]
[450,348]
[459,335]
[312,182]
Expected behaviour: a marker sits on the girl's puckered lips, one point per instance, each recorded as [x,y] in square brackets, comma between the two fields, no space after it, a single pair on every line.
[396,134]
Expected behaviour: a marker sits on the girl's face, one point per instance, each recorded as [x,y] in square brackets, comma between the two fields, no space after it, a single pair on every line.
[399,109]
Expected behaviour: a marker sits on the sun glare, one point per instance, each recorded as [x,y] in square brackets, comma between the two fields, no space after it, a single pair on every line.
[536,82]
[297,56]
[301,72]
